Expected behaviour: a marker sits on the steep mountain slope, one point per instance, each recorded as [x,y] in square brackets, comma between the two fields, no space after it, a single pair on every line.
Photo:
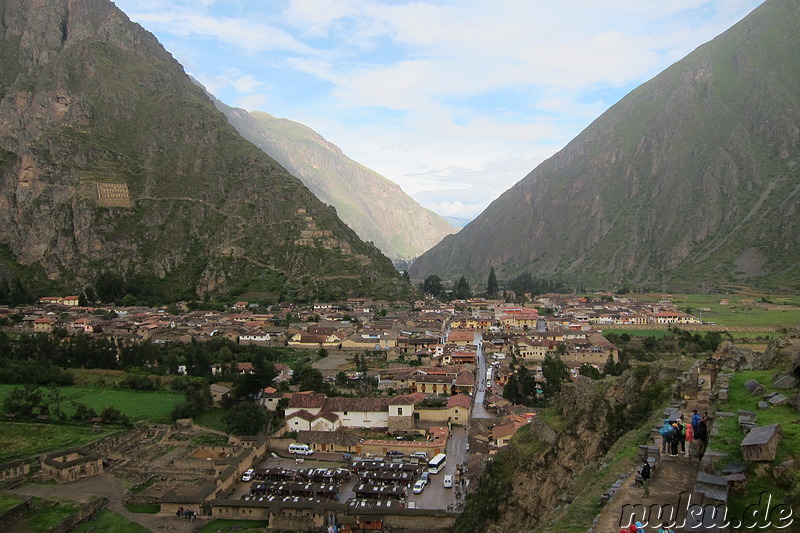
[693,177]
[377,209]
[114,165]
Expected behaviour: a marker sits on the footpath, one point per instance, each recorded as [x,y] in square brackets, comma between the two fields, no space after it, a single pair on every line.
[670,486]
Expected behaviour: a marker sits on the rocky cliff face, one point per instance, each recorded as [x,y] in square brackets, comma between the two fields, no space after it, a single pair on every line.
[377,209]
[691,178]
[594,414]
[113,162]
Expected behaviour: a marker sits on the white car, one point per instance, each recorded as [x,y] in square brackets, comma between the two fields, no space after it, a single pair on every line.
[448,481]
[248,475]
[419,486]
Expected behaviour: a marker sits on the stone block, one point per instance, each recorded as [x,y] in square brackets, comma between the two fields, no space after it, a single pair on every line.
[749,414]
[770,395]
[722,395]
[754,387]
[779,399]
[763,406]
[786,382]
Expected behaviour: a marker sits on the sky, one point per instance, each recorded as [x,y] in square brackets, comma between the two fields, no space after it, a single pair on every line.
[453,100]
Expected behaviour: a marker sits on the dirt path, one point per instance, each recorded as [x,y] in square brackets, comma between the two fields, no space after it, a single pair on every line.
[106,485]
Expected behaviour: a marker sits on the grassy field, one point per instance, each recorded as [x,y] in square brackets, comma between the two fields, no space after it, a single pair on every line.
[212,418]
[110,522]
[746,309]
[18,439]
[46,514]
[154,406]
[761,476]
[7,501]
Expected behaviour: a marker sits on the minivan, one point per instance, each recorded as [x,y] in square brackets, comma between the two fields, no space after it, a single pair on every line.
[300,449]
[448,481]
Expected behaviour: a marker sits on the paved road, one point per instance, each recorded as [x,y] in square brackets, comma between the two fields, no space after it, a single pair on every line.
[478,410]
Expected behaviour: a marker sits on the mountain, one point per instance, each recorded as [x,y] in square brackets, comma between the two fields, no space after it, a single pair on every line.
[118,174]
[458,222]
[692,178]
[377,209]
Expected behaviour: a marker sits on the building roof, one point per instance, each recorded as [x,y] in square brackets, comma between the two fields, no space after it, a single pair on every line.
[312,400]
[355,404]
[459,400]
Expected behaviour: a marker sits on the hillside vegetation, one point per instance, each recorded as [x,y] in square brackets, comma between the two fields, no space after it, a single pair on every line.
[691,180]
[113,163]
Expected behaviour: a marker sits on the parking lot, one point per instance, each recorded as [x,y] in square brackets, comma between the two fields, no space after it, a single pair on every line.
[388,478]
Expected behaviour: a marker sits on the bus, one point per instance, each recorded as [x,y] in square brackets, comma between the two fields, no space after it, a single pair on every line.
[437,463]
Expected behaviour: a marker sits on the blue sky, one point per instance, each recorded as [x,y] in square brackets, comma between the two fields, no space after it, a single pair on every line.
[453,100]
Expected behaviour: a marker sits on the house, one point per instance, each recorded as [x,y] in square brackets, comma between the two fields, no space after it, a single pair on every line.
[339,441]
[535,350]
[461,338]
[218,392]
[459,407]
[501,434]
[72,464]
[71,301]
[309,340]
[245,368]
[44,325]
[271,396]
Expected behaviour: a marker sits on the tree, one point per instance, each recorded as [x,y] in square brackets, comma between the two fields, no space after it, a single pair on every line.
[245,418]
[24,401]
[491,284]
[589,371]
[433,286]
[462,291]
[555,372]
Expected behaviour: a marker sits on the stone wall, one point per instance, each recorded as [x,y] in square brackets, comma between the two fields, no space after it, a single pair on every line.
[86,512]
[8,518]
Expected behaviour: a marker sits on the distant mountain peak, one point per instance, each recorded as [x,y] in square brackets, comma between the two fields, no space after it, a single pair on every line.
[374,207]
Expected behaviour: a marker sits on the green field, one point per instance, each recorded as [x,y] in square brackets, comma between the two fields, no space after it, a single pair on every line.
[742,310]
[45,515]
[212,418]
[18,439]
[110,522]
[154,406]
[7,501]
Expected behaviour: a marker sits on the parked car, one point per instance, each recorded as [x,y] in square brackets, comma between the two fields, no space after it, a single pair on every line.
[248,475]
[419,486]
[394,453]
[448,481]
[420,455]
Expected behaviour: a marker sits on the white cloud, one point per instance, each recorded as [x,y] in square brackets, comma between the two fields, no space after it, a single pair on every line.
[253,102]
[455,100]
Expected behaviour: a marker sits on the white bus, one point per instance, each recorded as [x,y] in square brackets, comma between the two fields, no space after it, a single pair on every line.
[437,463]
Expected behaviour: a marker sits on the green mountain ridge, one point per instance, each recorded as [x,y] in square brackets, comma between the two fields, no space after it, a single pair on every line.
[691,179]
[376,208]
[114,164]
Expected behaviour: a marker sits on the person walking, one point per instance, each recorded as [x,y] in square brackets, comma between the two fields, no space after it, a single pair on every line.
[645,473]
[665,431]
[674,439]
[689,438]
